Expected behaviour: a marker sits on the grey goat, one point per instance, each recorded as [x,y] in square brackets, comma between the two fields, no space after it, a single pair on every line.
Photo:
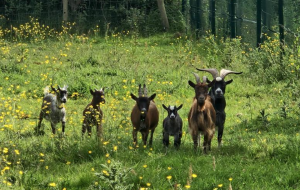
[53,109]
[172,125]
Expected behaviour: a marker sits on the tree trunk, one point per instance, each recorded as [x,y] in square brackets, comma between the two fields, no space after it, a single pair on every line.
[199,18]
[281,27]
[233,19]
[213,17]
[240,14]
[65,10]
[163,14]
[281,24]
[258,19]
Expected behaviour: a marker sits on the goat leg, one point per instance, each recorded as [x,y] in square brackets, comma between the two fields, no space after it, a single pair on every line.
[195,139]
[220,134]
[145,137]
[134,135]
[89,129]
[166,139]
[177,140]
[83,128]
[63,124]
[53,128]
[99,129]
[205,143]
[151,136]
[40,122]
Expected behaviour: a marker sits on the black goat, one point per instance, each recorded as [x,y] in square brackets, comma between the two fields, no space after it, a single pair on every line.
[217,93]
[172,126]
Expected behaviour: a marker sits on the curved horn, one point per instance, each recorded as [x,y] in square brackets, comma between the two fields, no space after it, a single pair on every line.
[145,91]
[214,72]
[140,90]
[204,78]
[225,72]
[197,78]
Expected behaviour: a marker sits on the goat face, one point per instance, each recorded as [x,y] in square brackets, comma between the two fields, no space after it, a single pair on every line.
[98,96]
[143,104]
[219,88]
[61,93]
[201,91]
[172,111]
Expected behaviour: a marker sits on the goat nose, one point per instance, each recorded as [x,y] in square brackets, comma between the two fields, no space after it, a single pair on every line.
[218,91]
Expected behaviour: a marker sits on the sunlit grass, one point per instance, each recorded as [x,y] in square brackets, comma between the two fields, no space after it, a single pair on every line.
[256,147]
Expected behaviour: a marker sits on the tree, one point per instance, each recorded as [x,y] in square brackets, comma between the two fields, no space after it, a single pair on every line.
[163,14]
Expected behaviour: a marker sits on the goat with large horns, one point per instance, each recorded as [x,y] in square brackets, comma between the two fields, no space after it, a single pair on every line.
[217,93]
[144,115]
[202,115]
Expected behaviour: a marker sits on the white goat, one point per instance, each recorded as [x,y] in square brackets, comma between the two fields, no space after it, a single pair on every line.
[53,109]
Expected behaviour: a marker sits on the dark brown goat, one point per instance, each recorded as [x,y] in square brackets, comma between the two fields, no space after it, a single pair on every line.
[202,115]
[93,114]
[144,116]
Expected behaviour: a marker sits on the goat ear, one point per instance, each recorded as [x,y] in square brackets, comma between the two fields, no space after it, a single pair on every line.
[133,97]
[179,107]
[152,96]
[164,106]
[229,81]
[211,83]
[208,81]
[92,92]
[192,84]
[53,88]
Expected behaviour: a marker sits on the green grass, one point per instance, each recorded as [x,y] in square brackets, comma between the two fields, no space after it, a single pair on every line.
[260,151]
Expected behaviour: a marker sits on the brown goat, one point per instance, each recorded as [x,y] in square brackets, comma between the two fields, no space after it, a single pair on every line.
[202,115]
[144,116]
[93,114]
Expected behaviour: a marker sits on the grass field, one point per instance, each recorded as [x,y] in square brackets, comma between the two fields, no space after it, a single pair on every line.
[261,137]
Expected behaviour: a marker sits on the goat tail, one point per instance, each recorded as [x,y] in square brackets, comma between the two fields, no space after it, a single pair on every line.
[46,91]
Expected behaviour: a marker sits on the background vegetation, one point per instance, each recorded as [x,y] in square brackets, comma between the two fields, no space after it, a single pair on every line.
[261,136]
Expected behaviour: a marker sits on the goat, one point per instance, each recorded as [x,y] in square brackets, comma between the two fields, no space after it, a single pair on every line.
[172,126]
[202,115]
[53,109]
[217,93]
[144,116]
[93,114]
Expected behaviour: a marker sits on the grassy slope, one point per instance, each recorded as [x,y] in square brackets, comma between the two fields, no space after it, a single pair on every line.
[255,154]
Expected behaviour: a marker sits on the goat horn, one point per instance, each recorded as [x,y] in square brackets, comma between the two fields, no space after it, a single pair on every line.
[140,90]
[225,72]
[197,78]
[204,78]
[214,72]
[145,91]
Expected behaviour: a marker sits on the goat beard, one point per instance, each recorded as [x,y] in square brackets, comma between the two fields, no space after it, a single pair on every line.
[142,122]
[143,125]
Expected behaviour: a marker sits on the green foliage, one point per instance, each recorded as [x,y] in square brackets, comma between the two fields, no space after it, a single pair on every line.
[261,129]
[115,176]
